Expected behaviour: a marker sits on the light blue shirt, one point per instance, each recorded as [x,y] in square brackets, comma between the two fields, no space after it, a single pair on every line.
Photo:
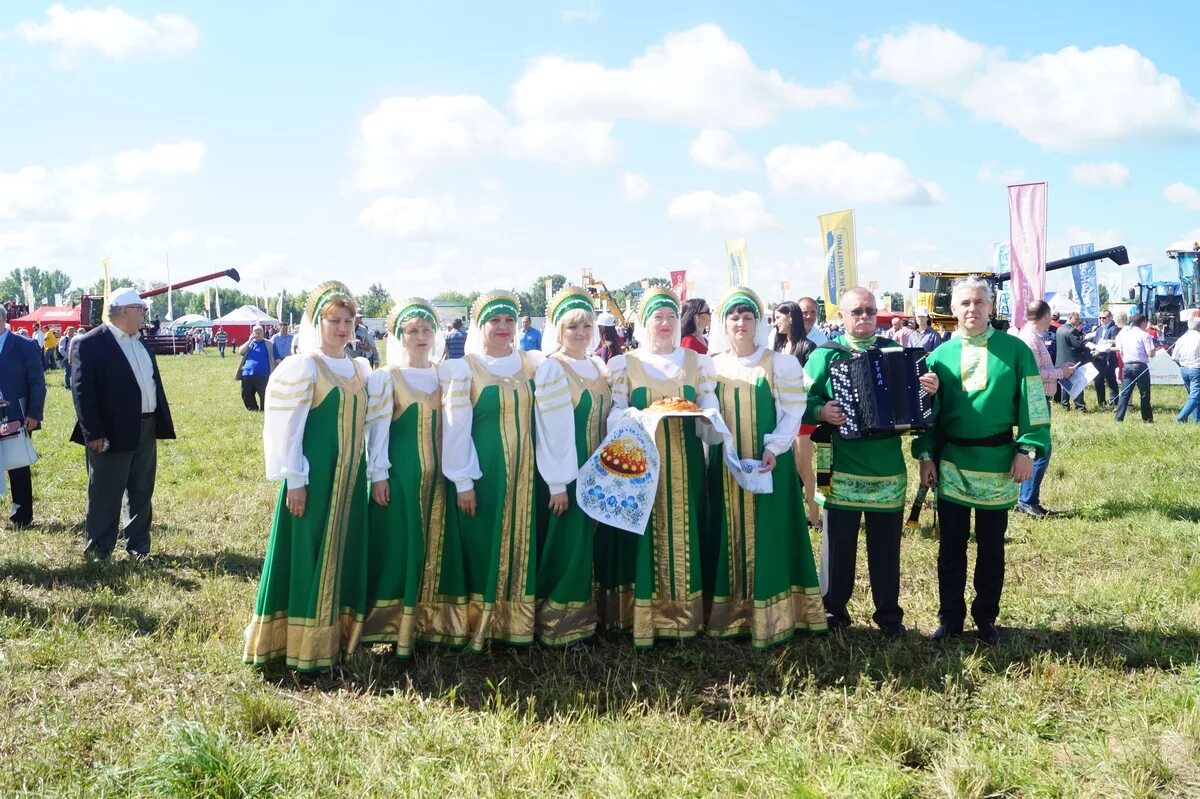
[282,344]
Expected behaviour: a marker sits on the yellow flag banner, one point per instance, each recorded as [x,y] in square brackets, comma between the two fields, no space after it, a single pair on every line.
[841,260]
[739,268]
[107,287]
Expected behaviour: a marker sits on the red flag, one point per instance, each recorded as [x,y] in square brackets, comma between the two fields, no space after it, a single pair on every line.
[1027,246]
[679,283]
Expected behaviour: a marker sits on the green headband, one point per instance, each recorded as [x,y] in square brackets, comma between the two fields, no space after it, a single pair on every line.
[498,306]
[659,301]
[412,311]
[740,298]
[331,293]
[571,302]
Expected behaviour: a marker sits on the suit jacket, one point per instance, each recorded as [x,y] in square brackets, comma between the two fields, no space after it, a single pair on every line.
[108,403]
[1070,347]
[22,378]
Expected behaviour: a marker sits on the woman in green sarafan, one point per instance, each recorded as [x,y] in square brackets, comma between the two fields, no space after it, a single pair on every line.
[407,514]
[652,583]
[488,456]
[312,595]
[763,579]
[573,401]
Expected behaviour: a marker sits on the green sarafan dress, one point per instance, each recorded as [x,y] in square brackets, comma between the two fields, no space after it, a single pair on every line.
[407,537]
[492,597]
[566,610]
[312,596]
[652,583]
[761,581]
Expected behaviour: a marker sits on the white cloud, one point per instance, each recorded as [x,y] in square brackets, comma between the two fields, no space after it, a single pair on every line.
[1106,173]
[567,141]
[743,212]
[1069,100]
[989,174]
[27,189]
[718,150]
[635,187]
[424,218]
[168,160]
[110,32]
[588,11]
[696,77]
[405,135]
[264,265]
[1183,194]
[837,171]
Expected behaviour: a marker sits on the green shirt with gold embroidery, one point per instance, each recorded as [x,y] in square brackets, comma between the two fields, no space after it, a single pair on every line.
[989,384]
[866,473]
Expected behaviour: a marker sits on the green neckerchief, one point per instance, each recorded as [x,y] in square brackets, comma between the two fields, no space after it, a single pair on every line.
[857,343]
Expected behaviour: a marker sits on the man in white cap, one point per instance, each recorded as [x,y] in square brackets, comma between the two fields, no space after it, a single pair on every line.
[924,336]
[121,411]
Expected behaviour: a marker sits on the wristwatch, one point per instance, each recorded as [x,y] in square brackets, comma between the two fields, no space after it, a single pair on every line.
[1028,450]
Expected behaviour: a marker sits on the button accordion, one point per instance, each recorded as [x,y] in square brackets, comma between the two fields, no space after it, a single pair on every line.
[879,391]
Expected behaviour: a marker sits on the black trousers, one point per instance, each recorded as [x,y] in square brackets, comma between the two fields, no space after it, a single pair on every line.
[109,476]
[955,531]
[254,392]
[1137,378]
[839,549]
[1107,367]
[20,486]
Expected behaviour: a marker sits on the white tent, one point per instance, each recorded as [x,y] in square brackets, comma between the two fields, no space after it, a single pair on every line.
[192,320]
[1062,304]
[247,315]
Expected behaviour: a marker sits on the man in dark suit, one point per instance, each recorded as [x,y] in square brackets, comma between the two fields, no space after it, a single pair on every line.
[23,384]
[1105,359]
[1070,349]
[120,411]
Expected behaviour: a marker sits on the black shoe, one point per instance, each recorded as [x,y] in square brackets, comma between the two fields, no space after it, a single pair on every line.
[1036,511]
[835,623]
[987,633]
[1045,511]
[893,631]
[944,631]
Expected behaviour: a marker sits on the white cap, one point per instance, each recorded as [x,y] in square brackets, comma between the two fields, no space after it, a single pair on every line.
[605,319]
[922,311]
[125,296]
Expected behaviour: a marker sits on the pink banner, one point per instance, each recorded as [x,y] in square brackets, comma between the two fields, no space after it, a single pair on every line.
[1027,246]
[679,283]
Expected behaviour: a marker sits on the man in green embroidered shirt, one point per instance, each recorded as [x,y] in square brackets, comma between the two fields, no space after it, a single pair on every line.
[867,480]
[990,384]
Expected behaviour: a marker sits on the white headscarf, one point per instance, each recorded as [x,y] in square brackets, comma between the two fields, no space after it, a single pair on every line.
[652,300]
[718,340]
[405,312]
[488,305]
[568,298]
[308,335]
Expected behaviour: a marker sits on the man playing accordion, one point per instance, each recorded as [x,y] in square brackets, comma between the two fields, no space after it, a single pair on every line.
[867,479]
[990,384]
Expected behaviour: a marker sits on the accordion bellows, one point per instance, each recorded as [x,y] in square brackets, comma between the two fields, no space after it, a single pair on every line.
[879,391]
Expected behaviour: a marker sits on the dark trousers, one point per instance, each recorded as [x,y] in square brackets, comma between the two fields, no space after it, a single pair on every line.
[1107,367]
[110,475]
[839,550]
[254,392]
[1064,399]
[955,531]
[66,374]
[1137,378]
[221,348]
[20,486]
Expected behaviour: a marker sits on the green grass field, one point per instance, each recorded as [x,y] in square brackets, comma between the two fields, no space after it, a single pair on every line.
[123,680]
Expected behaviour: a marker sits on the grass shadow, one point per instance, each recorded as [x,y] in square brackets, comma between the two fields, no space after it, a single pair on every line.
[134,619]
[709,677]
[1117,508]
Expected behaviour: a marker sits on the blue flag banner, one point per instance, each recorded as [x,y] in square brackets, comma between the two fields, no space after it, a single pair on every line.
[1085,283]
[1146,274]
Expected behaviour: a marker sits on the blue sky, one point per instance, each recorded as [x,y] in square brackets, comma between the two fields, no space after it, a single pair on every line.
[470,145]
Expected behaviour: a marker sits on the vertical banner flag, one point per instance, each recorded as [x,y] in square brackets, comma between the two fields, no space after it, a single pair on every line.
[841,258]
[170,307]
[107,286]
[1026,245]
[1084,276]
[1146,274]
[679,283]
[30,302]
[739,269]
[217,297]
[207,303]
[279,307]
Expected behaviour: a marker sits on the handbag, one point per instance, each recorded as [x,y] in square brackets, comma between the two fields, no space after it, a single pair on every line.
[16,449]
